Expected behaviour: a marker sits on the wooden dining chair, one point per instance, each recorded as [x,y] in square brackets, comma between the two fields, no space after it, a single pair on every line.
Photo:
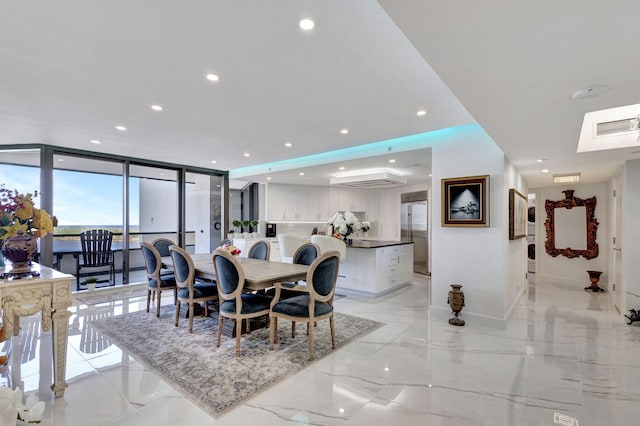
[315,302]
[96,253]
[190,291]
[157,282]
[234,303]
[260,250]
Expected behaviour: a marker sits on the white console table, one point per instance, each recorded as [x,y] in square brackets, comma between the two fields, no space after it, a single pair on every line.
[48,293]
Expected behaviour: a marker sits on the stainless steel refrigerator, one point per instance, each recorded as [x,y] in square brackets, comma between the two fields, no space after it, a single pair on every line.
[414,226]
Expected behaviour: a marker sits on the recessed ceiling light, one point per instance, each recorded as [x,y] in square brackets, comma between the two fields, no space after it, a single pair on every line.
[392,161]
[60,159]
[121,128]
[344,131]
[307,24]
[95,141]
[288,144]
[421,112]
[301,173]
[545,170]
[213,161]
[212,77]
[246,154]
[429,174]
[541,160]
[157,107]
[341,168]
[268,177]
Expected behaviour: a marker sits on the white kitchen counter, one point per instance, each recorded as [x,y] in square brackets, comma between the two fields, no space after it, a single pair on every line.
[374,268]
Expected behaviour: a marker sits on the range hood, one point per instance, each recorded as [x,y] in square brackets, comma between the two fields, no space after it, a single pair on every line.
[369,180]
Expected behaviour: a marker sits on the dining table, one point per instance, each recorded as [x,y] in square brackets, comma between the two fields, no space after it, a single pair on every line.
[258,274]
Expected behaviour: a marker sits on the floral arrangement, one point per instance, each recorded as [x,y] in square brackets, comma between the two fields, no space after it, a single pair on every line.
[19,216]
[345,224]
[11,407]
[232,249]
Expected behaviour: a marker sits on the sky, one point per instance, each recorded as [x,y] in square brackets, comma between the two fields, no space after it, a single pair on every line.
[79,198]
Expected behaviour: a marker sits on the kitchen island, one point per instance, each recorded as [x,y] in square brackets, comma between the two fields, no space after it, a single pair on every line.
[373,268]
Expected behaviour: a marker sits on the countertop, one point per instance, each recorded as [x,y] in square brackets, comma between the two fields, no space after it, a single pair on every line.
[369,244]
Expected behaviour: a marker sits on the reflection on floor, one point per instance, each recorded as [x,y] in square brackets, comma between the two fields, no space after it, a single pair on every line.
[565,354]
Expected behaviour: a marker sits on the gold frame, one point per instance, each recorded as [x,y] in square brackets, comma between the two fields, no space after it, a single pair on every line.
[477,212]
[518,214]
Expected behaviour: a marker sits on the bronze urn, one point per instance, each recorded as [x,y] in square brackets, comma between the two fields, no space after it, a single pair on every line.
[456,302]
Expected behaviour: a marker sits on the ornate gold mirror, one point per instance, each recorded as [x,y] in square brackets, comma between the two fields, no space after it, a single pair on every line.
[564,227]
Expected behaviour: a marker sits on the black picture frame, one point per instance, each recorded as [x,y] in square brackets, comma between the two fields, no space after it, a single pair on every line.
[465,201]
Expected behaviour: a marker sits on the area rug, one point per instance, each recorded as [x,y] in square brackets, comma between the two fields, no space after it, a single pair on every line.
[215,378]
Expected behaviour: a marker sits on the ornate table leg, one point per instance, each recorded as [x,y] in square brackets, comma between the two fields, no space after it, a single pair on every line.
[60,333]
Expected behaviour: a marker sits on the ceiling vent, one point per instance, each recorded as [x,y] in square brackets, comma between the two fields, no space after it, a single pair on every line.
[381,179]
[607,128]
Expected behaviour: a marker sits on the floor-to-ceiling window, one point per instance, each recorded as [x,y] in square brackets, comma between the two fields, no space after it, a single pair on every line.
[87,194]
[137,200]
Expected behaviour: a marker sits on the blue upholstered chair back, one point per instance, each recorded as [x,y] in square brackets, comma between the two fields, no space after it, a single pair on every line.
[181,267]
[259,250]
[306,254]
[227,276]
[226,242]
[162,245]
[325,275]
[150,259]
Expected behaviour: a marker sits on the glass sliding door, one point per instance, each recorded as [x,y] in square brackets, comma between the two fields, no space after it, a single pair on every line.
[153,212]
[87,194]
[203,212]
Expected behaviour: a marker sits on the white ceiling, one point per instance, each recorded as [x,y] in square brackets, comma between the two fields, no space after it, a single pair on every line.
[72,70]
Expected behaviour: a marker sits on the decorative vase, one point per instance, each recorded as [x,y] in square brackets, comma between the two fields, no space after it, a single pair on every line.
[20,251]
[456,302]
[594,277]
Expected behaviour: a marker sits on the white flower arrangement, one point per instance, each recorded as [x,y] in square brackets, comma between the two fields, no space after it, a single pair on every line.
[11,407]
[345,223]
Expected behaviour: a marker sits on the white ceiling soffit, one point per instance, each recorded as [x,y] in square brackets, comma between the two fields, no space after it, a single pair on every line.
[381,179]
[610,129]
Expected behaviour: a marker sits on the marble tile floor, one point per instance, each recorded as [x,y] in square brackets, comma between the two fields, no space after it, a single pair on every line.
[565,352]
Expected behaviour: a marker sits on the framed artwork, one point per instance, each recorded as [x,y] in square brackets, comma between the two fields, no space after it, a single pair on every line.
[518,213]
[465,201]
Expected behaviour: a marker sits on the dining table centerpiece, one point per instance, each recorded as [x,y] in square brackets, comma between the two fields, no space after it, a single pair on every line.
[21,224]
[344,224]
[232,249]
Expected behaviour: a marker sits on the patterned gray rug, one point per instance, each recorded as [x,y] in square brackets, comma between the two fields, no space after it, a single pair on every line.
[215,378]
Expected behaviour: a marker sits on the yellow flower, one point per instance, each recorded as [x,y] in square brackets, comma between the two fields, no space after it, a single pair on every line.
[43,222]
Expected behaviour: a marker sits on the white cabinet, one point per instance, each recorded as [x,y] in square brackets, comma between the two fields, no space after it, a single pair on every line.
[317,203]
[318,207]
[276,202]
[376,271]
[352,199]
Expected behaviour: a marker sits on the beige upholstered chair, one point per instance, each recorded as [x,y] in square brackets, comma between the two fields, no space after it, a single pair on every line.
[327,243]
[288,246]
[190,291]
[315,302]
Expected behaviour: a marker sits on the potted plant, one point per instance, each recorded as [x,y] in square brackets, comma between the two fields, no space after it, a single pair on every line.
[237,224]
[91,283]
[254,227]
[245,227]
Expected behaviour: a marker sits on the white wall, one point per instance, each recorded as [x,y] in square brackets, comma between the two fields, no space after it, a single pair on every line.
[390,209]
[560,268]
[631,234]
[158,206]
[476,258]
[516,254]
